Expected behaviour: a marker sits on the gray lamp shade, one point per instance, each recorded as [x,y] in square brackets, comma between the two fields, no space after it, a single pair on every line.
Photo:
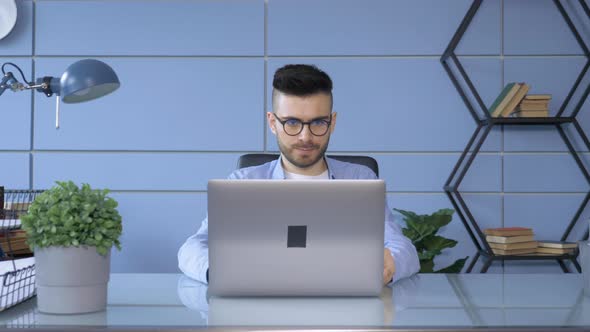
[87,79]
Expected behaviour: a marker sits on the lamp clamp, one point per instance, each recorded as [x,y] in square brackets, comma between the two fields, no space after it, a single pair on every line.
[44,85]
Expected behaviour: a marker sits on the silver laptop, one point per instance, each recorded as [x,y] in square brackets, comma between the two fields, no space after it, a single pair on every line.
[296,237]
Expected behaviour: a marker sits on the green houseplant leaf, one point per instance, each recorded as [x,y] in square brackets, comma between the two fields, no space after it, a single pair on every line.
[455,267]
[436,242]
[67,215]
[421,229]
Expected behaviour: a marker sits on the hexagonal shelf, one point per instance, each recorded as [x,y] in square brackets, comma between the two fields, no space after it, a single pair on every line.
[486,122]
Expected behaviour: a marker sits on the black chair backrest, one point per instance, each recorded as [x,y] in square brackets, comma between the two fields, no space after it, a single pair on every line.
[255,159]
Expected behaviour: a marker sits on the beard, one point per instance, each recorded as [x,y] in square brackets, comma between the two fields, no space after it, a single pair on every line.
[316,153]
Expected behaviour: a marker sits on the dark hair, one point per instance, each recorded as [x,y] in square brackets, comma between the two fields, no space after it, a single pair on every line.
[301,80]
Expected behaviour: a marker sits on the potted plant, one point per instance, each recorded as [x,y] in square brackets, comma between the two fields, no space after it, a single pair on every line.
[71,230]
[422,229]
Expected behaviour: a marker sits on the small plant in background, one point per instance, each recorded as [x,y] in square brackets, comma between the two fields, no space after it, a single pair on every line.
[422,229]
[67,215]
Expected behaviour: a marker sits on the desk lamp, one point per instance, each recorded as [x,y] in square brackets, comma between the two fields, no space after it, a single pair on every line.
[83,80]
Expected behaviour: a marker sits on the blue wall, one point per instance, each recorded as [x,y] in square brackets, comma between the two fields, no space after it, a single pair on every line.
[196,78]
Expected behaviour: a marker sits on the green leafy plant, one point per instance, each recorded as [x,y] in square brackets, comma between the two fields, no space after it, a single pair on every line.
[69,216]
[422,229]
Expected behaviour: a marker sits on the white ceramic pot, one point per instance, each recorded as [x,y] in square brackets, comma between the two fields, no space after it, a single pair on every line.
[71,280]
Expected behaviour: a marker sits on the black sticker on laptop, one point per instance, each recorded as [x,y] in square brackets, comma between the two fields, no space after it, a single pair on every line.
[296,236]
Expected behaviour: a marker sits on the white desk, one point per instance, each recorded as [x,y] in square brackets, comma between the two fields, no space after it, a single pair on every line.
[424,302]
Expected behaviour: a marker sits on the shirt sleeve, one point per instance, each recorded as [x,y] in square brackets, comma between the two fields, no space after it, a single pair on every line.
[403,251]
[193,256]
[405,256]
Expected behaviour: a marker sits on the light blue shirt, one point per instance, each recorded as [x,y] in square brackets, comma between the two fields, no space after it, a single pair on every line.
[193,256]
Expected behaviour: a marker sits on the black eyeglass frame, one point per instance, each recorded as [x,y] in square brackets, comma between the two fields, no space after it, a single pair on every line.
[308,123]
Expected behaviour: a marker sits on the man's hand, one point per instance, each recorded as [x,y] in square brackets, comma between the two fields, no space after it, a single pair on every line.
[388,267]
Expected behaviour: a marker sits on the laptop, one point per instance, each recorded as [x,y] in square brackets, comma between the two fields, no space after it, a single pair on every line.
[296,237]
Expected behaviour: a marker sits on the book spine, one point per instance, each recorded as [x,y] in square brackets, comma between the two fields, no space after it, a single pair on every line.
[511,106]
[501,100]
[1,202]
[506,100]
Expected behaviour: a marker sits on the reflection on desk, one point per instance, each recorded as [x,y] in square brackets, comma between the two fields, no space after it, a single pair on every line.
[495,300]
[435,301]
[350,312]
[284,311]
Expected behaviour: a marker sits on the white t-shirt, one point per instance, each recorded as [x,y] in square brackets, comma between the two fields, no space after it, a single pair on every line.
[295,176]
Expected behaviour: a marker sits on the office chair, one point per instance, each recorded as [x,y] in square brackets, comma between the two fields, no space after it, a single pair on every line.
[255,159]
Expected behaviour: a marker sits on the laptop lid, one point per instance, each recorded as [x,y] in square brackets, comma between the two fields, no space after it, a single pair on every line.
[296,237]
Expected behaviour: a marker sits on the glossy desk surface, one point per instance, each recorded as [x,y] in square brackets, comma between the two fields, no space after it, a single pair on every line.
[427,301]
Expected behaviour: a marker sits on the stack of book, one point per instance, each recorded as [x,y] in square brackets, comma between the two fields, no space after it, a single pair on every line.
[18,245]
[16,209]
[1,202]
[10,215]
[511,240]
[510,97]
[556,248]
[533,106]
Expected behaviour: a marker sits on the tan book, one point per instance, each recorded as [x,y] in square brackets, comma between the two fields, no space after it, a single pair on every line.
[534,102]
[14,249]
[532,109]
[554,251]
[13,241]
[504,98]
[17,206]
[539,254]
[14,246]
[514,252]
[508,231]
[509,239]
[557,244]
[512,246]
[532,114]
[21,252]
[537,97]
[518,96]
[17,239]
[14,234]
[526,107]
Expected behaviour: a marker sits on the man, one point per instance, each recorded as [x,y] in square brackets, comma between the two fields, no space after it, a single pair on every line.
[302,120]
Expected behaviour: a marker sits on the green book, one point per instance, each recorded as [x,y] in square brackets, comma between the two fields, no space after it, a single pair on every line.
[500,98]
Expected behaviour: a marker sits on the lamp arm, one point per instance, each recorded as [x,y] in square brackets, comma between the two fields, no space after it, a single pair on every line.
[48,85]
[7,81]
[10,82]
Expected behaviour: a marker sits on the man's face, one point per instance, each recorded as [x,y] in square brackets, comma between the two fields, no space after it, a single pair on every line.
[305,149]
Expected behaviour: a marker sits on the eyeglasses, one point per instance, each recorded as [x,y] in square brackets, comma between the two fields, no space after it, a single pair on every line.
[293,127]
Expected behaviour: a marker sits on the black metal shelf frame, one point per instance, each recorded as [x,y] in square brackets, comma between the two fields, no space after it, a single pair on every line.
[484,125]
